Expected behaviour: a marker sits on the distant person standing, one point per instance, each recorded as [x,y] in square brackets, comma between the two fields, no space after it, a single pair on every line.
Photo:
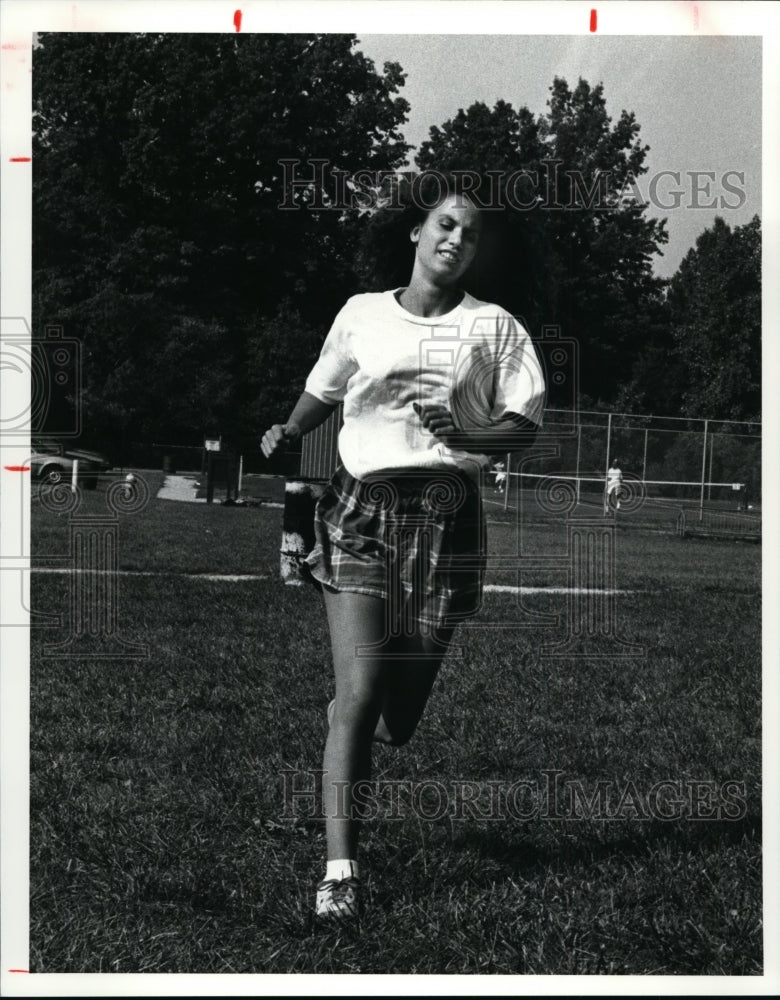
[500,474]
[614,487]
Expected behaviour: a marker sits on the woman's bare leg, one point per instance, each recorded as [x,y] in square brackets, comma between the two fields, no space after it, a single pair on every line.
[408,679]
[381,694]
[354,620]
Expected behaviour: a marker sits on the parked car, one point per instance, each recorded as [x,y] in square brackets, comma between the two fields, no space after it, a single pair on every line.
[52,462]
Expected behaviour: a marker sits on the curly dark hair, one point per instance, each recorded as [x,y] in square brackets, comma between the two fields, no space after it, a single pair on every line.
[513,261]
[386,254]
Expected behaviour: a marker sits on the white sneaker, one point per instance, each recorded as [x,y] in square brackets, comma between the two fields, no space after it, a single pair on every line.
[338,899]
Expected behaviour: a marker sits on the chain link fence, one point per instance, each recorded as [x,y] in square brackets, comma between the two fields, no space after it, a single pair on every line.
[714,461]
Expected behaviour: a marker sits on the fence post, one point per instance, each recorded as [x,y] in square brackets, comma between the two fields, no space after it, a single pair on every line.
[703,471]
[644,459]
[577,473]
[606,467]
[508,479]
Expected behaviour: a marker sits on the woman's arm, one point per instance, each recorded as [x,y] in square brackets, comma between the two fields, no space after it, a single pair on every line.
[308,413]
[513,433]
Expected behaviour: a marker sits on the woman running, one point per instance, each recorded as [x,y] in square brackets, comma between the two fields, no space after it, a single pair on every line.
[433,383]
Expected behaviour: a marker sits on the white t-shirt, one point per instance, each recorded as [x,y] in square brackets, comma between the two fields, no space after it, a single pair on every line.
[378,358]
[614,478]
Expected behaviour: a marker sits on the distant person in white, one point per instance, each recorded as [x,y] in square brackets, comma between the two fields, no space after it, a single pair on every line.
[500,474]
[614,487]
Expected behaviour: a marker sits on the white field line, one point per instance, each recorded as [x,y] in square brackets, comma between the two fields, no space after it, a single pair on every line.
[493,588]
[227,577]
[500,588]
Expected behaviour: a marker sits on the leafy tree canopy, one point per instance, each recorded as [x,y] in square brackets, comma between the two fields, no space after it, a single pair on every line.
[158,238]
[578,251]
[715,313]
[705,357]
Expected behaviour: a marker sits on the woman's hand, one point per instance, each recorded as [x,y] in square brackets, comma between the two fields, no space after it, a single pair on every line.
[513,433]
[278,438]
[438,420]
[309,412]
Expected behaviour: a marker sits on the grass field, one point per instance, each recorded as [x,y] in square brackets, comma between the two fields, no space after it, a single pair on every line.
[159,833]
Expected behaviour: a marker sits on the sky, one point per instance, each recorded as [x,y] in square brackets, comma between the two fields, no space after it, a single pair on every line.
[697,100]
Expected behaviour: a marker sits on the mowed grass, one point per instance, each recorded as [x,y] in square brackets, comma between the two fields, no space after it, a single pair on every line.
[162,839]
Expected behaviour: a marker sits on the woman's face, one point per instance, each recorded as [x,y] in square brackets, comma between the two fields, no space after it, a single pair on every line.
[447,239]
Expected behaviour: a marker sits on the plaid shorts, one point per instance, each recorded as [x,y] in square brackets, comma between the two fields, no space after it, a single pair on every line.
[416,539]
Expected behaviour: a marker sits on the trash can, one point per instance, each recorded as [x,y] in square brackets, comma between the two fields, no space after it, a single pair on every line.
[222,469]
[169,466]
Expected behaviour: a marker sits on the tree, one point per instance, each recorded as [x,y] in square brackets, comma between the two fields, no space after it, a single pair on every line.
[579,254]
[715,315]
[158,239]
[656,381]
